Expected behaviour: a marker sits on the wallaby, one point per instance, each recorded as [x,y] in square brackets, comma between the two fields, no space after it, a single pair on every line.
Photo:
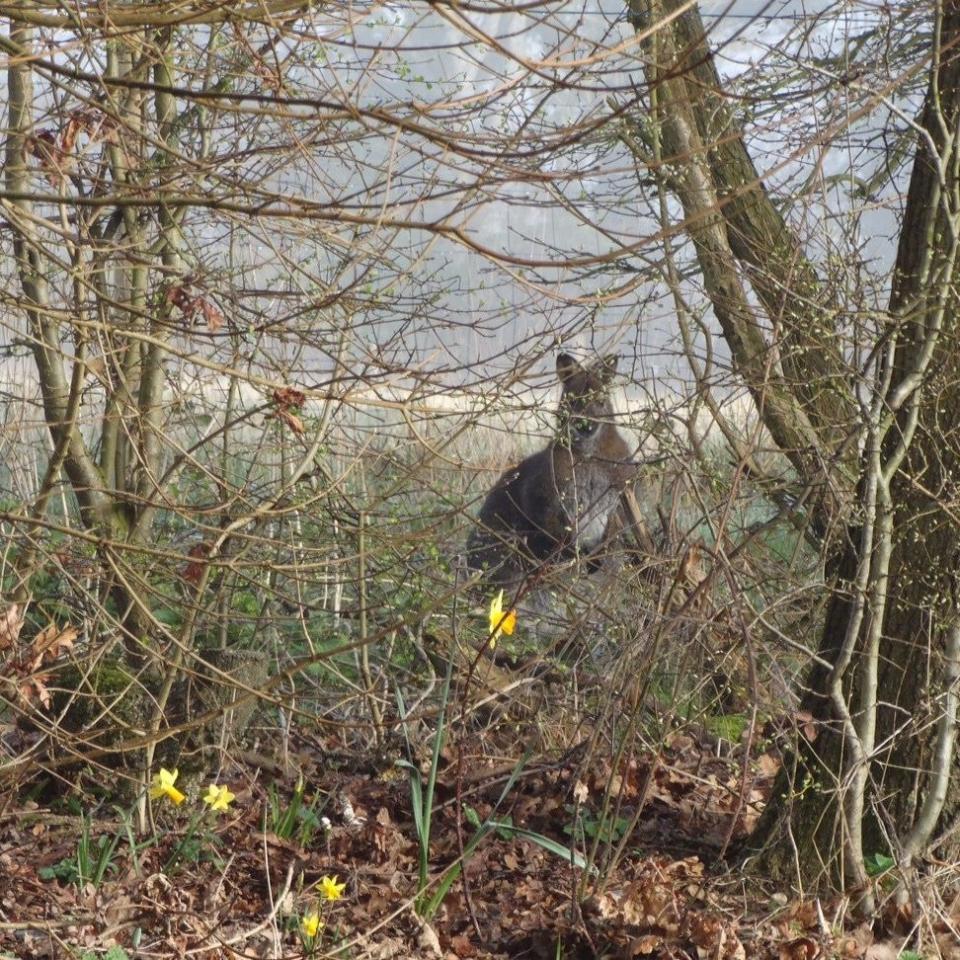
[565,500]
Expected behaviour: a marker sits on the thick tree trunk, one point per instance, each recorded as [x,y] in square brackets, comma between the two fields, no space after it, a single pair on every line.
[880,775]
[784,279]
[916,665]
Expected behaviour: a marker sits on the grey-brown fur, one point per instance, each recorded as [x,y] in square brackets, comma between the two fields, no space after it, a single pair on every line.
[564,500]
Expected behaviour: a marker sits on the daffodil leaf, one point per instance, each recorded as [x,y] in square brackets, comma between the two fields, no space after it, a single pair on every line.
[551,846]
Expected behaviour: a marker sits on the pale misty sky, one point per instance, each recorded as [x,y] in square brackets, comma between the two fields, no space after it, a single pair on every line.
[524,223]
[503,319]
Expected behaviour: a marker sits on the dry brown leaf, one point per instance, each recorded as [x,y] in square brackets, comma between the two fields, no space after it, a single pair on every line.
[803,912]
[180,298]
[802,948]
[602,905]
[947,945]
[806,724]
[897,917]
[183,298]
[35,688]
[644,946]
[10,625]
[92,122]
[693,566]
[69,138]
[462,946]
[291,420]
[212,315]
[882,951]
[193,570]
[49,644]
[714,937]
[428,941]
[856,942]
[651,904]
[43,145]
[286,397]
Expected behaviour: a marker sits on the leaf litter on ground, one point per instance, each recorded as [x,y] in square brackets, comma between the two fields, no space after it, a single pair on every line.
[664,897]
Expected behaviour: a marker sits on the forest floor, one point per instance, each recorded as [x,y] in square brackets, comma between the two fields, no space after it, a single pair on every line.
[660,834]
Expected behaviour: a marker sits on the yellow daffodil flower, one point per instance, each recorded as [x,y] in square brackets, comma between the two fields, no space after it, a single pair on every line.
[163,786]
[330,889]
[218,798]
[311,924]
[501,622]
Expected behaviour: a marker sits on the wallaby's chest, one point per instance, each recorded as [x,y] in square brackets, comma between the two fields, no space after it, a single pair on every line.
[588,497]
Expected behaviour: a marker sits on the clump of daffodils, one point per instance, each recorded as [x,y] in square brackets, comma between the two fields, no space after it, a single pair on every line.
[162,787]
[312,923]
[500,622]
[218,799]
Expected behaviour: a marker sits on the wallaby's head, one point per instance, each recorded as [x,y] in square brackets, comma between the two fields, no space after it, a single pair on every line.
[585,401]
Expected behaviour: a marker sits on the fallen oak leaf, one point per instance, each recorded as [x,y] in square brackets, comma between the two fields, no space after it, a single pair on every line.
[645,945]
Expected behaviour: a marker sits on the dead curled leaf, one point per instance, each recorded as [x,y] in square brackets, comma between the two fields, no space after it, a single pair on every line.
[428,941]
[715,936]
[286,397]
[806,724]
[212,315]
[49,644]
[35,688]
[53,161]
[193,570]
[189,304]
[645,945]
[291,420]
[56,149]
[10,625]
[801,948]
[92,122]
[884,951]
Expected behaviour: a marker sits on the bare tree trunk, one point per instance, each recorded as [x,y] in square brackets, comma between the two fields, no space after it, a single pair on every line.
[116,493]
[880,776]
[710,195]
[60,394]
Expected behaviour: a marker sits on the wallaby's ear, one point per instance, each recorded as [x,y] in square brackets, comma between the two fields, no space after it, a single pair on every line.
[567,367]
[608,366]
